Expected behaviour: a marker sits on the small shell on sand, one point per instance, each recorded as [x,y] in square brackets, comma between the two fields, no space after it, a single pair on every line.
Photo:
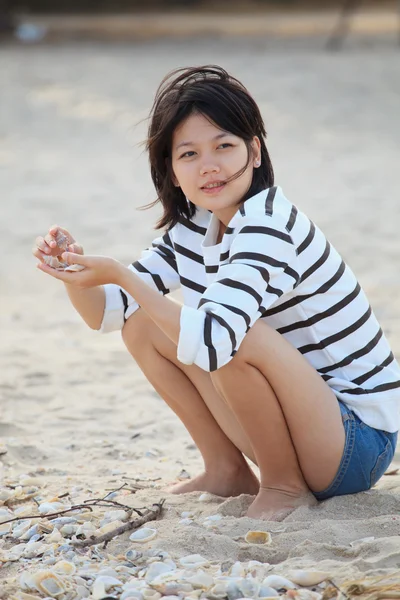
[193,561]
[143,535]
[307,578]
[258,537]
[45,582]
[277,582]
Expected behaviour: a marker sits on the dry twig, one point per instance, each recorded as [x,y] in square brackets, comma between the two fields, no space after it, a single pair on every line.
[50,515]
[85,506]
[151,515]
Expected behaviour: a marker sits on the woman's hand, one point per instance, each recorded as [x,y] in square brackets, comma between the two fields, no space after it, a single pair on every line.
[98,270]
[47,246]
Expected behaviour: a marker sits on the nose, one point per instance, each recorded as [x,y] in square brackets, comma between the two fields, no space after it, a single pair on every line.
[209,168]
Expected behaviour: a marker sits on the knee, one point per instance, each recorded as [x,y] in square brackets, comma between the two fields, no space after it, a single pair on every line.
[136,332]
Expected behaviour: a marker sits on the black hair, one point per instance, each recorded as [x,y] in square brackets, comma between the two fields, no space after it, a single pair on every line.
[224,101]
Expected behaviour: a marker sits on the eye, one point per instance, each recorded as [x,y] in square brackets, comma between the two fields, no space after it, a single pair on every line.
[188,154]
[225,145]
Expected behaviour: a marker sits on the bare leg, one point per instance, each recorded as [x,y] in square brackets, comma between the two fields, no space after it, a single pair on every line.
[290,415]
[190,393]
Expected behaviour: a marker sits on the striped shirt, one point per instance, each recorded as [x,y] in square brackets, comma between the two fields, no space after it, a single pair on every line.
[273,264]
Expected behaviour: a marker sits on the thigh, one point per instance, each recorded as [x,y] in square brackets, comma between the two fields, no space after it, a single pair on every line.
[310,407]
[140,330]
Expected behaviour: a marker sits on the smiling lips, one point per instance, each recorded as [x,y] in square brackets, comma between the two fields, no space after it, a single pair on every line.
[213,186]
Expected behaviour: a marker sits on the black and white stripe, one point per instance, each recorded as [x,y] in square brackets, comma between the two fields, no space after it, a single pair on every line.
[273,263]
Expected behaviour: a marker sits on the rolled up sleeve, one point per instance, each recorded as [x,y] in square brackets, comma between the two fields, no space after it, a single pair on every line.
[157,268]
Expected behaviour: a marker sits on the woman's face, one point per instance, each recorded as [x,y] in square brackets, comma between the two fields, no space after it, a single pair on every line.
[204,157]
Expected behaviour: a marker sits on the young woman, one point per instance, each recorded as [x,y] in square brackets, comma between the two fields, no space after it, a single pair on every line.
[275,355]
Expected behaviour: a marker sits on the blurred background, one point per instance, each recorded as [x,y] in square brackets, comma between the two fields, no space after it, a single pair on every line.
[77,79]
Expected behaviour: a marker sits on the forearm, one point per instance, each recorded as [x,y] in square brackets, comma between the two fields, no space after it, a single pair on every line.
[89,303]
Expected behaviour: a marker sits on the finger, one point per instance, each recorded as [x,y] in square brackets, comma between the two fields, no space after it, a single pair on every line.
[65,276]
[76,259]
[42,245]
[50,240]
[38,254]
[56,229]
[75,249]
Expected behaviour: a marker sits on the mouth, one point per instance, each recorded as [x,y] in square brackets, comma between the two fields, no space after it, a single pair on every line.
[213,187]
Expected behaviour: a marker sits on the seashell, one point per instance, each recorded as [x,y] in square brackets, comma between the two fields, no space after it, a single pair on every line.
[54,537]
[212,521]
[81,592]
[21,528]
[6,495]
[45,526]
[24,596]
[34,549]
[102,584]
[60,521]
[134,584]
[115,515]
[30,532]
[149,594]
[108,527]
[258,537]
[249,587]
[237,570]
[26,583]
[232,590]
[5,515]
[131,595]
[156,569]
[5,528]
[219,590]
[85,530]
[35,538]
[107,572]
[278,583]
[195,595]
[308,578]
[186,514]
[200,579]
[267,592]
[49,507]
[133,555]
[193,561]
[172,597]
[205,497]
[173,588]
[68,529]
[186,521]
[63,567]
[143,535]
[48,583]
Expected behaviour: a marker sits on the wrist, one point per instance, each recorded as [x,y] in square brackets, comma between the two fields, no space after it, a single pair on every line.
[121,274]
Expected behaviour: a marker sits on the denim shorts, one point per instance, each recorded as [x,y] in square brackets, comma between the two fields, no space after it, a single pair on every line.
[367,454]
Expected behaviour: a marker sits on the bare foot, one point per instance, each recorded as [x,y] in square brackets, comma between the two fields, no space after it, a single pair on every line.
[275,504]
[225,483]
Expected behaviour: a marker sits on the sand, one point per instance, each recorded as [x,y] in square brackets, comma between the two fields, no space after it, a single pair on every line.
[76,413]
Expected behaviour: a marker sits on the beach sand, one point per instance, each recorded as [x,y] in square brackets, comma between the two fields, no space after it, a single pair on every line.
[76,413]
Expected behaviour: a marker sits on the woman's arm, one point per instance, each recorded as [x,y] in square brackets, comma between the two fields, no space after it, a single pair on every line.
[89,303]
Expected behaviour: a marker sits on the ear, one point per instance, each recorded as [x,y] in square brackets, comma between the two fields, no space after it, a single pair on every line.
[256,144]
[174,180]
[173,177]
